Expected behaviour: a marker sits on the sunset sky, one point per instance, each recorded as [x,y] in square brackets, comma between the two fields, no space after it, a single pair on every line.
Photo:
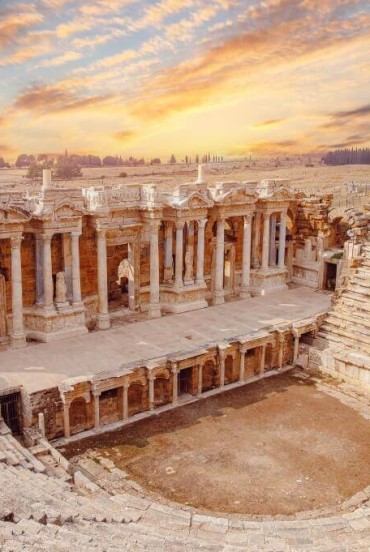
[150,78]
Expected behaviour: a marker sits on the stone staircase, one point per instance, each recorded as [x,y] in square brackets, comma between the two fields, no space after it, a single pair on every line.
[41,511]
[347,325]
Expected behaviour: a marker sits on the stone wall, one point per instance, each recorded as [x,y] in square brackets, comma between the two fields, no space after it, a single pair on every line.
[50,403]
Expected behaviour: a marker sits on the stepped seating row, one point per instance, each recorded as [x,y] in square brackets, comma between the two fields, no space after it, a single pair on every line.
[39,511]
[347,324]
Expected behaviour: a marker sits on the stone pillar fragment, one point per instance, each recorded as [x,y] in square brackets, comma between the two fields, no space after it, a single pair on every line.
[221,354]
[39,269]
[200,379]
[168,245]
[262,359]
[67,430]
[151,379]
[296,347]
[174,384]
[96,409]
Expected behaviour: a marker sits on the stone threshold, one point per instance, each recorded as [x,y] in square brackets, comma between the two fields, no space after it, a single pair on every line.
[182,401]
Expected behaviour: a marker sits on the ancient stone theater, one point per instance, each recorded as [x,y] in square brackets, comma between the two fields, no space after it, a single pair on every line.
[123,301]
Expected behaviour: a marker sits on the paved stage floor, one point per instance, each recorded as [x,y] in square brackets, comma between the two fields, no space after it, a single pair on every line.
[45,365]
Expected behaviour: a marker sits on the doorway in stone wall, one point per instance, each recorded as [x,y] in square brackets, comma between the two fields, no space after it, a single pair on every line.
[184,381]
[10,409]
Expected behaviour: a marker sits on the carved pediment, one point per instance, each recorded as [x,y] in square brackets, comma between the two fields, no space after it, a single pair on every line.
[194,201]
[235,196]
[11,214]
[67,210]
[283,193]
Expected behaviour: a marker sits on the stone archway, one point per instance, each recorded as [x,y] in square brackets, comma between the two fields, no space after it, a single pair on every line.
[3,328]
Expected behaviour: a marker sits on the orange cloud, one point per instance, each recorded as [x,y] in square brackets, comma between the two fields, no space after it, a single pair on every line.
[125,135]
[270,122]
[15,20]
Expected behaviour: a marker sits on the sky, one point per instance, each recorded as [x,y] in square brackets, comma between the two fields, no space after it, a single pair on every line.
[155,77]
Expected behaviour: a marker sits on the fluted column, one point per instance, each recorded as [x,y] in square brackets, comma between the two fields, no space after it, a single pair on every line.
[262,359]
[131,275]
[76,276]
[174,384]
[103,314]
[18,335]
[200,379]
[168,245]
[221,354]
[66,423]
[246,267]
[282,240]
[48,272]
[96,409]
[200,252]
[218,294]
[179,253]
[296,347]
[266,240]
[272,256]
[154,305]
[126,385]
[39,270]
[151,379]
[242,365]
[256,240]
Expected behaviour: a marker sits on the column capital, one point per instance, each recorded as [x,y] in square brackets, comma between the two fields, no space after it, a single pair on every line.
[15,241]
[202,223]
[266,216]
[174,367]
[101,233]
[150,375]
[247,219]
[76,233]
[46,238]
[179,224]
[154,223]
[126,384]
[96,393]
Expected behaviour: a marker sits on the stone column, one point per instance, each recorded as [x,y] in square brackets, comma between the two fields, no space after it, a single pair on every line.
[168,245]
[256,240]
[296,347]
[200,379]
[262,359]
[281,349]
[241,365]
[131,276]
[18,336]
[221,354]
[96,409]
[39,270]
[48,273]
[154,305]
[174,384]
[126,385]
[266,241]
[218,294]
[179,253]
[76,276]
[200,252]
[67,429]
[103,314]
[282,239]
[246,267]
[151,379]
[272,256]
[67,264]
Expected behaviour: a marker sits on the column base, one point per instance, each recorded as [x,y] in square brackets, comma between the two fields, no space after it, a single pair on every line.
[218,298]
[18,341]
[103,321]
[244,293]
[154,310]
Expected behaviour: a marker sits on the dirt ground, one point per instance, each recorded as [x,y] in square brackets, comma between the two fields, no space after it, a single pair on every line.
[278,446]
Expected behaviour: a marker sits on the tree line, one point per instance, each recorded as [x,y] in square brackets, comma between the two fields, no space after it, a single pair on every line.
[346,156]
